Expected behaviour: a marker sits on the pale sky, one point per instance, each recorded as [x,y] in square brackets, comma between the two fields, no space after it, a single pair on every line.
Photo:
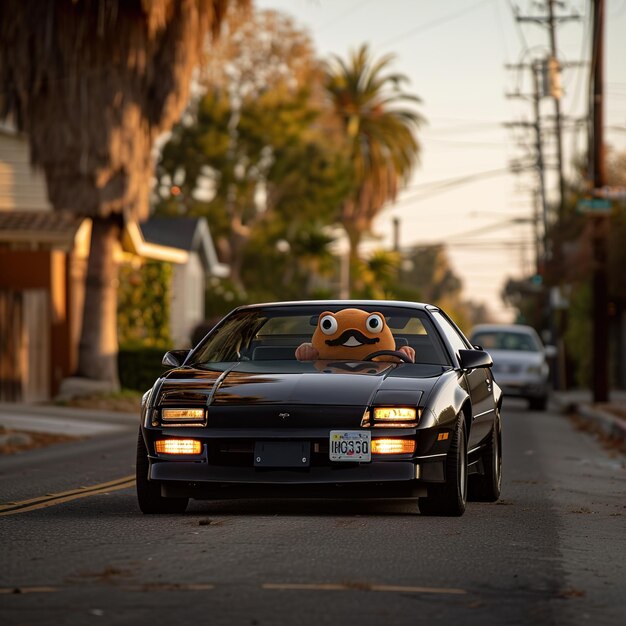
[453,52]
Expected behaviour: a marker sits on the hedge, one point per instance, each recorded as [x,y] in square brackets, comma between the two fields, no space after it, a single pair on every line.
[140,367]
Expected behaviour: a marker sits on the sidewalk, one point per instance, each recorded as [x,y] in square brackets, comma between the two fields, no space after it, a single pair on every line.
[610,418]
[64,420]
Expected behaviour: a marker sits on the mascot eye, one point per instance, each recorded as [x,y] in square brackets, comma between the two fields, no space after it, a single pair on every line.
[374,323]
[328,325]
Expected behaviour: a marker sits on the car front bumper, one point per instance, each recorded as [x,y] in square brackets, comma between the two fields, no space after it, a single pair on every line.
[212,475]
[378,479]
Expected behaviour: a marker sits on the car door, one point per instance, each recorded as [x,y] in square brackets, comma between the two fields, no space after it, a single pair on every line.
[479,382]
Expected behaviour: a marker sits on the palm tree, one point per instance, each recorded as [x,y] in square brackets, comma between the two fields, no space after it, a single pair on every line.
[380,131]
[93,83]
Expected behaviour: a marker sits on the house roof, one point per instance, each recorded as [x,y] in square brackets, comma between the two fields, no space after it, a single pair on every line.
[176,232]
[39,229]
[190,234]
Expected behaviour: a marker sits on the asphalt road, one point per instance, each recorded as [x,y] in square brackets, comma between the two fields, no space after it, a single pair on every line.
[552,551]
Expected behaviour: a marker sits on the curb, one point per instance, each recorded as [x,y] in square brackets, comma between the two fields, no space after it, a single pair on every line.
[610,424]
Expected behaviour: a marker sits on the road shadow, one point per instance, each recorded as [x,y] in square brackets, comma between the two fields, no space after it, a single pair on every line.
[304,507]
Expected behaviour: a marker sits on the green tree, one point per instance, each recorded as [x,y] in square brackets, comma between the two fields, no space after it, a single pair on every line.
[379,129]
[379,275]
[254,159]
[93,83]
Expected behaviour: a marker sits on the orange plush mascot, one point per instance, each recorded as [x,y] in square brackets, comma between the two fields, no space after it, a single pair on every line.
[351,335]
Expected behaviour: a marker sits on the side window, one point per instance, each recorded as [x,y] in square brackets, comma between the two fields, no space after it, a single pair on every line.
[456,340]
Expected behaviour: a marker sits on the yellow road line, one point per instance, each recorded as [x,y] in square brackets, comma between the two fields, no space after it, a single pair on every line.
[52,499]
[48,496]
[160,587]
[20,590]
[146,587]
[151,587]
[360,587]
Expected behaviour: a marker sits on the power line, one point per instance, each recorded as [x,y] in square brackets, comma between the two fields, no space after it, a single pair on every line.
[489,228]
[467,144]
[432,24]
[520,30]
[442,186]
[477,127]
[501,29]
[352,9]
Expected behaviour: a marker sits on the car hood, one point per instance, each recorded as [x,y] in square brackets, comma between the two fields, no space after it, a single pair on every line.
[294,383]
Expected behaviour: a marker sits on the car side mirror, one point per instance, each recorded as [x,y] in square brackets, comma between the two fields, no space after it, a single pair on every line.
[471,359]
[175,358]
[550,351]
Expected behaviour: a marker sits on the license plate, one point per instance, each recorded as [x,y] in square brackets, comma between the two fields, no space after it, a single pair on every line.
[282,454]
[350,445]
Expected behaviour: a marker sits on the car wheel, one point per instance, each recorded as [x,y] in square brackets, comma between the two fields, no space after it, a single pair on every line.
[538,404]
[486,487]
[148,492]
[449,499]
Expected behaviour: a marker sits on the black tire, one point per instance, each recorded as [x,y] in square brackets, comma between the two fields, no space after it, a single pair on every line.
[486,487]
[149,493]
[450,498]
[538,404]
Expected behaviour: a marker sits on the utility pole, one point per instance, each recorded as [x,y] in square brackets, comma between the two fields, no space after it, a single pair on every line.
[554,72]
[552,88]
[539,163]
[553,84]
[396,234]
[600,222]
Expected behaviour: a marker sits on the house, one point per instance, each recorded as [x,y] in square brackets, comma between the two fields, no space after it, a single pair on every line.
[39,308]
[192,237]
[43,260]
[21,187]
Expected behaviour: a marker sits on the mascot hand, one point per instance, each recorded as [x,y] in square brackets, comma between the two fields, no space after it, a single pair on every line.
[410,352]
[306,352]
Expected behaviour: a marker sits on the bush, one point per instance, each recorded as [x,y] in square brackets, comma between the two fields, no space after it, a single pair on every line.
[139,367]
[143,311]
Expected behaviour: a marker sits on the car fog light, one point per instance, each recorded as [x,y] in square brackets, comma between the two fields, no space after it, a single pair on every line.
[393,446]
[395,413]
[178,446]
[182,415]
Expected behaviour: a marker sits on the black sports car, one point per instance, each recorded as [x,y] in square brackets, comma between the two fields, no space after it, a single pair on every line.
[241,416]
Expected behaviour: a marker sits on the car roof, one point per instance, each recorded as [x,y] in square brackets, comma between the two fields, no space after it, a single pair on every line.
[519,329]
[341,303]
[508,328]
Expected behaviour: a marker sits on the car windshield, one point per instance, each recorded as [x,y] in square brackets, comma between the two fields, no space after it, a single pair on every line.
[274,333]
[506,340]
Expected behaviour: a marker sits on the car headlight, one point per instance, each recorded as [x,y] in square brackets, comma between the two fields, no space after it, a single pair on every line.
[187,417]
[394,417]
[395,413]
[534,369]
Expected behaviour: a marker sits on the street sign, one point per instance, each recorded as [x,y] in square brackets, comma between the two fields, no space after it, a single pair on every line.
[597,206]
[610,193]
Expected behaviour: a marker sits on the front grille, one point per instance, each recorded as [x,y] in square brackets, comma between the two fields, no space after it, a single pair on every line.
[240,453]
[231,453]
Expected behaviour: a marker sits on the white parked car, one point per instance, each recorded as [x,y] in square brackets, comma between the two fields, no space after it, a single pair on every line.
[519,360]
